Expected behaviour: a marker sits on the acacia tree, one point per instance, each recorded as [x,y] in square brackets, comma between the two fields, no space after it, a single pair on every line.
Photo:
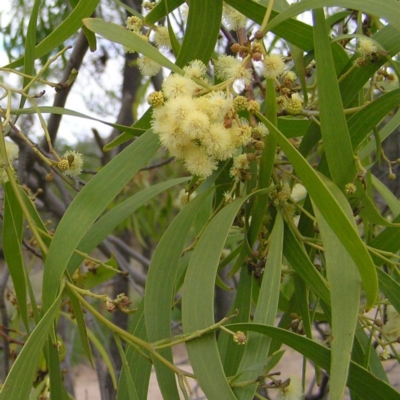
[279,125]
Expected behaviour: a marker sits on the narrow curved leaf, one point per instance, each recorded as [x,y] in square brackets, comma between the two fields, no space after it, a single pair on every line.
[202,31]
[390,199]
[131,393]
[108,222]
[80,322]
[88,206]
[333,214]
[198,302]
[63,32]
[30,44]
[390,288]
[161,285]
[387,240]
[299,260]
[131,40]
[361,124]
[257,348]
[161,10]
[12,242]
[139,366]
[389,9]
[132,131]
[334,131]
[22,374]
[383,134]
[295,32]
[345,287]
[360,380]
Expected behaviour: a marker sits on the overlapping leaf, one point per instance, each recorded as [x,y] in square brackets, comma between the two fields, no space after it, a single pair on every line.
[332,213]
[63,32]
[88,206]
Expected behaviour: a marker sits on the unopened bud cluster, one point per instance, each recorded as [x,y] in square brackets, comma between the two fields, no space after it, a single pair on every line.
[289,99]
[240,338]
[121,303]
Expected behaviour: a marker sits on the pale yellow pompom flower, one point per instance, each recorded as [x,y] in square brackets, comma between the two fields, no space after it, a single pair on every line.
[273,66]
[184,198]
[216,105]
[228,67]
[161,121]
[224,65]
[199,163]
[262,129]
[196,69]
[161,38]
[241,135]
[218,142]
[177,86]
[241,161]
[134,23]
[234,19]
[175,141]
[75,163]
[180,108]
[196,124]
[12,151]
[366,47]
[392,326]
[147,66]
[294,391]
[240,164]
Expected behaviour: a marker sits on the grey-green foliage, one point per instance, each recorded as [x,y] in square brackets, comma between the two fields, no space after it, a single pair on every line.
[300,255]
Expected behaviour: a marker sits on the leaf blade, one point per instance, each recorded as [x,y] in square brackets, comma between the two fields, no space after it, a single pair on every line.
[87,207]
[333,214]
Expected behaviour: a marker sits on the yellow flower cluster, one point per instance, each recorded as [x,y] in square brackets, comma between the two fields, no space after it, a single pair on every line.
[201,131]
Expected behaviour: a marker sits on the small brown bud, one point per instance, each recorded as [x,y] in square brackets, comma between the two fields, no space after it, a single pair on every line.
[70,159]
[378,322]
[250,156]
[256,56]
[110,306]
[49,177]
[228,122]
[235,47]
[294,325]
[240,338]
[259,35]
